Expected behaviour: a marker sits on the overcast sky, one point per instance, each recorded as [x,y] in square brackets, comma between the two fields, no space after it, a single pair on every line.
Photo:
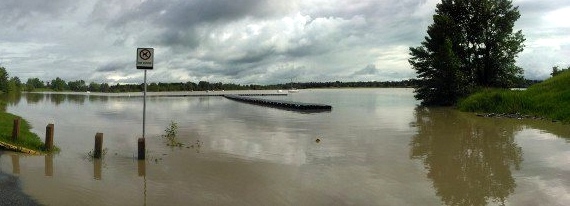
[245,41]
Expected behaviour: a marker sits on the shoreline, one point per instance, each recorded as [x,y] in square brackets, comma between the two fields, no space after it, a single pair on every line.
[28,141]
[176,93]
[202,93]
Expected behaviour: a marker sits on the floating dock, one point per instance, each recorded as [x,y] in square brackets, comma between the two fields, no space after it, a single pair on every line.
[281,103]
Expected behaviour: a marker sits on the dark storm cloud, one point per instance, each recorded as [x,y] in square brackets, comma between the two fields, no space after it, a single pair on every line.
[177,20]
[186,14]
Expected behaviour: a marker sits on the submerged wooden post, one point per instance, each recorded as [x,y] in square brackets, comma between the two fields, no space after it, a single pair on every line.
[141,148]
[49,137]
[16,129]
[97,153]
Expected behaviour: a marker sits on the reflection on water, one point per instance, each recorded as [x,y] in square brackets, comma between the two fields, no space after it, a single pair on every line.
[57,99]
[141,168]
[469,160]
[33,98]
[15,164]
[97,168]
[48,165]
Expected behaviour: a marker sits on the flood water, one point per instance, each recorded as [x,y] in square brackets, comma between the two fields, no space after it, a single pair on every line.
[377,147]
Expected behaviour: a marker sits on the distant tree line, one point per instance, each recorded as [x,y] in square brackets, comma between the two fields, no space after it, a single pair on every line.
[13,84]
[58,84]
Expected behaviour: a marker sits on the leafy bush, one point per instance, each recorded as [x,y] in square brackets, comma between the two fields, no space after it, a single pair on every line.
[170,135]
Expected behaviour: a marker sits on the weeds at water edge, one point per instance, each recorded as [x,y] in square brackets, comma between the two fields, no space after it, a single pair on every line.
[90,156]
[170,135]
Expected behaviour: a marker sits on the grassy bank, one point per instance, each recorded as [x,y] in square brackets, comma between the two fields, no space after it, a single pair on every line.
[27,139]
[550,99]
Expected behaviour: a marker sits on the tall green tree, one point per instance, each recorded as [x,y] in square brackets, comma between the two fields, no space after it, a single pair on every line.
[105,87]
[94,87]
[77,86]
[471,44]
[34,83]
[58,84]
[14,85]
[3,79]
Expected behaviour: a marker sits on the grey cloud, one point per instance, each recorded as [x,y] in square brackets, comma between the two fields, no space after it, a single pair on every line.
[373,10]
[188,13]
[533,11]
[178,20]
[115,66]
[20,13]
[242,41]
[323,34]
[185,14]
[539,7]
[368,70]
[177,38]
[289,73]
[238,71]
[253,56]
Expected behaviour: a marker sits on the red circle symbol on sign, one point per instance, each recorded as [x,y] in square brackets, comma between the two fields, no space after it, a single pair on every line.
[145,54]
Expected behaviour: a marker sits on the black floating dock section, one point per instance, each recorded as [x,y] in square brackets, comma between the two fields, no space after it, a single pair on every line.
[281,103]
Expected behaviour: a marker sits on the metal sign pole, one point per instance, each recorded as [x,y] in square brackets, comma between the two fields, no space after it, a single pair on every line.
[145,60]
[144,106]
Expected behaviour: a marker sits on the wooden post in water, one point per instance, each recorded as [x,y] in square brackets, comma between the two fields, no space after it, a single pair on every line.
[98,152]
[141,149]
[16,129]
[49,137]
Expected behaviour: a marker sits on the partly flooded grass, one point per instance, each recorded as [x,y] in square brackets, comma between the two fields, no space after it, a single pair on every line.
[27,139]
[550,99]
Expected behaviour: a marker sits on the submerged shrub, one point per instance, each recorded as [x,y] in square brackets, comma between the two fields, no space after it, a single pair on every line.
[170,135]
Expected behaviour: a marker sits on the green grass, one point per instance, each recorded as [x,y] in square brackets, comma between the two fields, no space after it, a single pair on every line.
[550,99]
[27,139]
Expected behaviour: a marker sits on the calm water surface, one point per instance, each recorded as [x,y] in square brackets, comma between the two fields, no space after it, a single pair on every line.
[377,148]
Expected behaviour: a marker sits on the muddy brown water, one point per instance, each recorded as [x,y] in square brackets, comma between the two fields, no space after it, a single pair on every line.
[377,147]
